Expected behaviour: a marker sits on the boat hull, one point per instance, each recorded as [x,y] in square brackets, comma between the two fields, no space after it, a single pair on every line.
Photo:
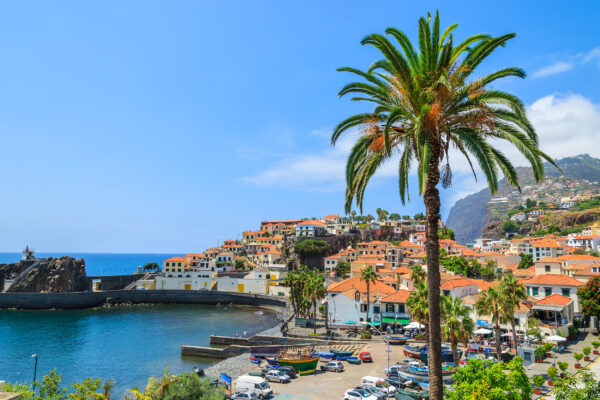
[412,353]
[397,340]
[413,394]
[303,366]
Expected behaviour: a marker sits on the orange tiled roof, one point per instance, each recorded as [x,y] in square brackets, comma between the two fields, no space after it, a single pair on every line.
[577,257]
[361,286]
[555,299]
[311,222]
[554,279]
[176,259]
[399,296]
[484,285]
[458,282]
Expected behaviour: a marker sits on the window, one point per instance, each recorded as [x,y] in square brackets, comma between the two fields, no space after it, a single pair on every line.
[389,308]
[376,309]
[401,309]
[167,264]
[527,290]
[566,292]
[363,308]
[547,268]
[547,291]
[534,291]
[446,293]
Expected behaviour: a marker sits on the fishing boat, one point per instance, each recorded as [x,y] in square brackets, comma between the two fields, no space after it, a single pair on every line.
[341,358]
[325,356]
[254,360]
[416,394]
[413,351]
[397,340]
[447,356]
[421,371]
[353,360]
[341,353]
[302,358]
[272,360]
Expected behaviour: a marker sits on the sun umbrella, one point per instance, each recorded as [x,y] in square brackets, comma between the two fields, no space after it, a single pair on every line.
[350,323]
[509,334]
[482,331]
[556,338]
[414,325]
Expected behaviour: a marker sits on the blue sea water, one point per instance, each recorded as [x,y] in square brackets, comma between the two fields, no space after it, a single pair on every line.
[126,343]
[97,264]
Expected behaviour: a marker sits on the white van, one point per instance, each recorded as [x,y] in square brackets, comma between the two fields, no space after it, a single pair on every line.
[254,384]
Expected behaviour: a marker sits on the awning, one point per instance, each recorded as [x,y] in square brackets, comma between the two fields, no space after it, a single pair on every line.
[386,320]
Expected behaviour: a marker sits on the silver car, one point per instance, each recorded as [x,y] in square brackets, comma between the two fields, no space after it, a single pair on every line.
[277,376]
[243,396]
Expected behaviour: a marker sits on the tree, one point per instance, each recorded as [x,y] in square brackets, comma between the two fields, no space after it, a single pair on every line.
[381,214]
[151,266]
[418,304]
[311,247]
[457,326]
[406,217]
[513,293]
[526,261]
[446,233]
[395,217]
[417,274]
[419,217]
[589,297]
[342,268]
[491,302]
[314,291]
[368,275]
[353,215]
[534,328]
[529,203]
[510,226]
[427,101]
[186,386]
[485,380]
[582,386]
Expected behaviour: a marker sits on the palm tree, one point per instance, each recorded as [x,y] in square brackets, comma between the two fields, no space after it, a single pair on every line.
[368,275]
[457,326]
[491,302]
[353,215]
[418,304]
[417,274]
[427,102]
[314,291]
[513,293]
[291,281]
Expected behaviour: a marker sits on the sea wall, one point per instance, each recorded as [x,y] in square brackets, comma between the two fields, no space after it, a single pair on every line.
[94,299]
[114,282]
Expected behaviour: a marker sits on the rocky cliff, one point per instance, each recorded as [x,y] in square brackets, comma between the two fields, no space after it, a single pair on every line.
[469,216]
[64,274]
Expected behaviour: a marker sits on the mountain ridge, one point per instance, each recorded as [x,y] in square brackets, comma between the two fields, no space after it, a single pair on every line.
[469,215]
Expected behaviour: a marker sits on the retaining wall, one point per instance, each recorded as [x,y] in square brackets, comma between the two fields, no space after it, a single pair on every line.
[94,299]
[114,282]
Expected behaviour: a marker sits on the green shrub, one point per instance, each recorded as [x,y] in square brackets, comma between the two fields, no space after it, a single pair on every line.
[586,350]
[540,352]
[563,365]
[552,372]
[578,356]
[538,380]
[596,344]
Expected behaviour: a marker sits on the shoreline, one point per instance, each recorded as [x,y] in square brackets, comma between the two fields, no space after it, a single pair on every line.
[239,365]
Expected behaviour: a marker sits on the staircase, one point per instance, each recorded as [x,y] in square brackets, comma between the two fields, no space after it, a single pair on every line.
[132,285]
[28,270]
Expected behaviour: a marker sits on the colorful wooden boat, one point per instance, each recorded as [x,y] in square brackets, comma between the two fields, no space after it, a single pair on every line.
[413,351]
[397,340]
[272,360]
[402,394]
[341,358]
[326,356]
[338,353]
[254,360]
[353,360]
[302,359]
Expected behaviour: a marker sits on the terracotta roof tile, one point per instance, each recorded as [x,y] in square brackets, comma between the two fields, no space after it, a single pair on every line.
[555,299]
[554,279]
[399,296]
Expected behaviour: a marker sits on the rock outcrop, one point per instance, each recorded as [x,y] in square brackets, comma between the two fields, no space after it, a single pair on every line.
[57,275]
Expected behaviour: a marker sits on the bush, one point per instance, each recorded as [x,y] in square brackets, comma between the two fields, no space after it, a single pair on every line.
[596,344]
[578,356]
[365,335]
[540,352]
[548,347]
[552,372]
[572,331]
[563,365]
[311,247]
[538,380]
[586,351]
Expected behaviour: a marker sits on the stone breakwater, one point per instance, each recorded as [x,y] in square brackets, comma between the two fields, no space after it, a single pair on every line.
[96,299]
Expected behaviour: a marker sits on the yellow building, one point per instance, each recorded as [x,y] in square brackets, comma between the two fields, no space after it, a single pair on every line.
[174,265]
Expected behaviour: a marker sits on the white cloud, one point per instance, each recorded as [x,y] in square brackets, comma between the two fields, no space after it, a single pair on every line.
[568,64]
[553,69]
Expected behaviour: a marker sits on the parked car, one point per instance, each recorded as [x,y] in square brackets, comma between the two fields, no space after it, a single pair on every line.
[277,376]
[254,384]
[334,366]
[288,371]
[392,371]
[374,391]
[399,382]
[243,396]
[358,394]
[378,382]
[365,356]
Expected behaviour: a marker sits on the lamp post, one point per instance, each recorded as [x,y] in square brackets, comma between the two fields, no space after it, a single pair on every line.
[34,370]
[387,342]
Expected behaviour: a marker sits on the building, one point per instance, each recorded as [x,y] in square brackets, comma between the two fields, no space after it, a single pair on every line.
[555,312]
[393,308]
[331,262]
[310,228]
[174,266]
[459,287]
[541,286]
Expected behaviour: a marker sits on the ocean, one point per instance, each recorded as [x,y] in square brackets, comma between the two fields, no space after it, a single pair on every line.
[97,264]
[125,343]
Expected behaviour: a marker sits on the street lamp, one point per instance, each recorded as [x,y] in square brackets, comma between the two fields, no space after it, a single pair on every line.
[34,370]
[387,342]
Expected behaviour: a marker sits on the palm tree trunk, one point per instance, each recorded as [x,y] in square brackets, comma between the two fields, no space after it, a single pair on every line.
[498,345]
[514,336]
[455,357]
[431,198]
[368,301]
[315,321]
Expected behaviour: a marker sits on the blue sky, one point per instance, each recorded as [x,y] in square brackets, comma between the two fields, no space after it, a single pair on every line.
[168,126]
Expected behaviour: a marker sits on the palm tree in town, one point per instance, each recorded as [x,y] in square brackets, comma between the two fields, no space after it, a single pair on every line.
[418,305]
[417,274]
[428,101]
[314,291]
[513,293]
[457,326]
[291,281]
[491,302]
[368,275]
